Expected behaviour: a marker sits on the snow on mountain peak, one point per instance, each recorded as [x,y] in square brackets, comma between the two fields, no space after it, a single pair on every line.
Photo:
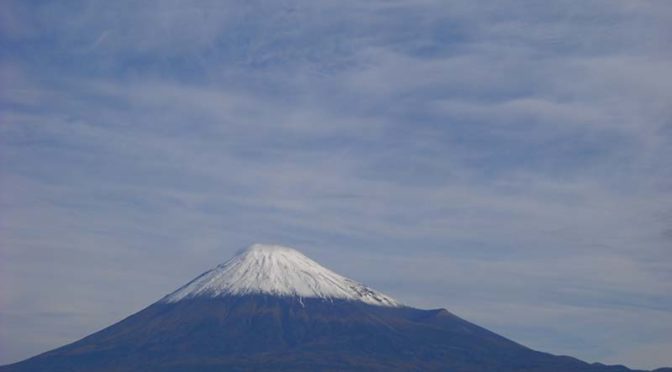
[277,270]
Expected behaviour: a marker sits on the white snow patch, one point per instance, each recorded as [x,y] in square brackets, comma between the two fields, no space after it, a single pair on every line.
[277,270]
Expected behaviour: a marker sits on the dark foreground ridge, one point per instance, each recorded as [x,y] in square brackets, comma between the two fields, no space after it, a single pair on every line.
[264,332]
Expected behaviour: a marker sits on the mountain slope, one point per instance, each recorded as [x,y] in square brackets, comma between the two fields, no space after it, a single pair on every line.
[232,318]
[270,332]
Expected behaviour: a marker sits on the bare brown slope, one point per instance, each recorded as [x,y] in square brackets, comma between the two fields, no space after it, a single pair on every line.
[285,333]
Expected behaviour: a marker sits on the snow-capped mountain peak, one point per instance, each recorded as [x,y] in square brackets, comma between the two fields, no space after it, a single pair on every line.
[277,270]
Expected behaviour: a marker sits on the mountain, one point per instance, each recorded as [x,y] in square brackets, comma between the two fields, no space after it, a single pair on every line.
[272,308]
[277,271]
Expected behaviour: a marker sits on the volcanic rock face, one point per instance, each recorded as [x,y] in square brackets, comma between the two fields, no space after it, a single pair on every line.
[272,308]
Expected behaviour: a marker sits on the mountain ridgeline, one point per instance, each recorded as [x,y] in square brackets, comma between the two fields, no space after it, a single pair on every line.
[272,308]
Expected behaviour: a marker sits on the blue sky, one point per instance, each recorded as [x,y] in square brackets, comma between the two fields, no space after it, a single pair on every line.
[509,161]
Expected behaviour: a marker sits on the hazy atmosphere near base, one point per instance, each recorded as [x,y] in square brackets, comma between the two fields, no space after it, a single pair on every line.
[508,161]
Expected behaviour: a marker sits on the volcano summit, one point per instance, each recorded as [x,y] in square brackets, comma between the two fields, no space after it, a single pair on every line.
[278,271]
[272,308]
